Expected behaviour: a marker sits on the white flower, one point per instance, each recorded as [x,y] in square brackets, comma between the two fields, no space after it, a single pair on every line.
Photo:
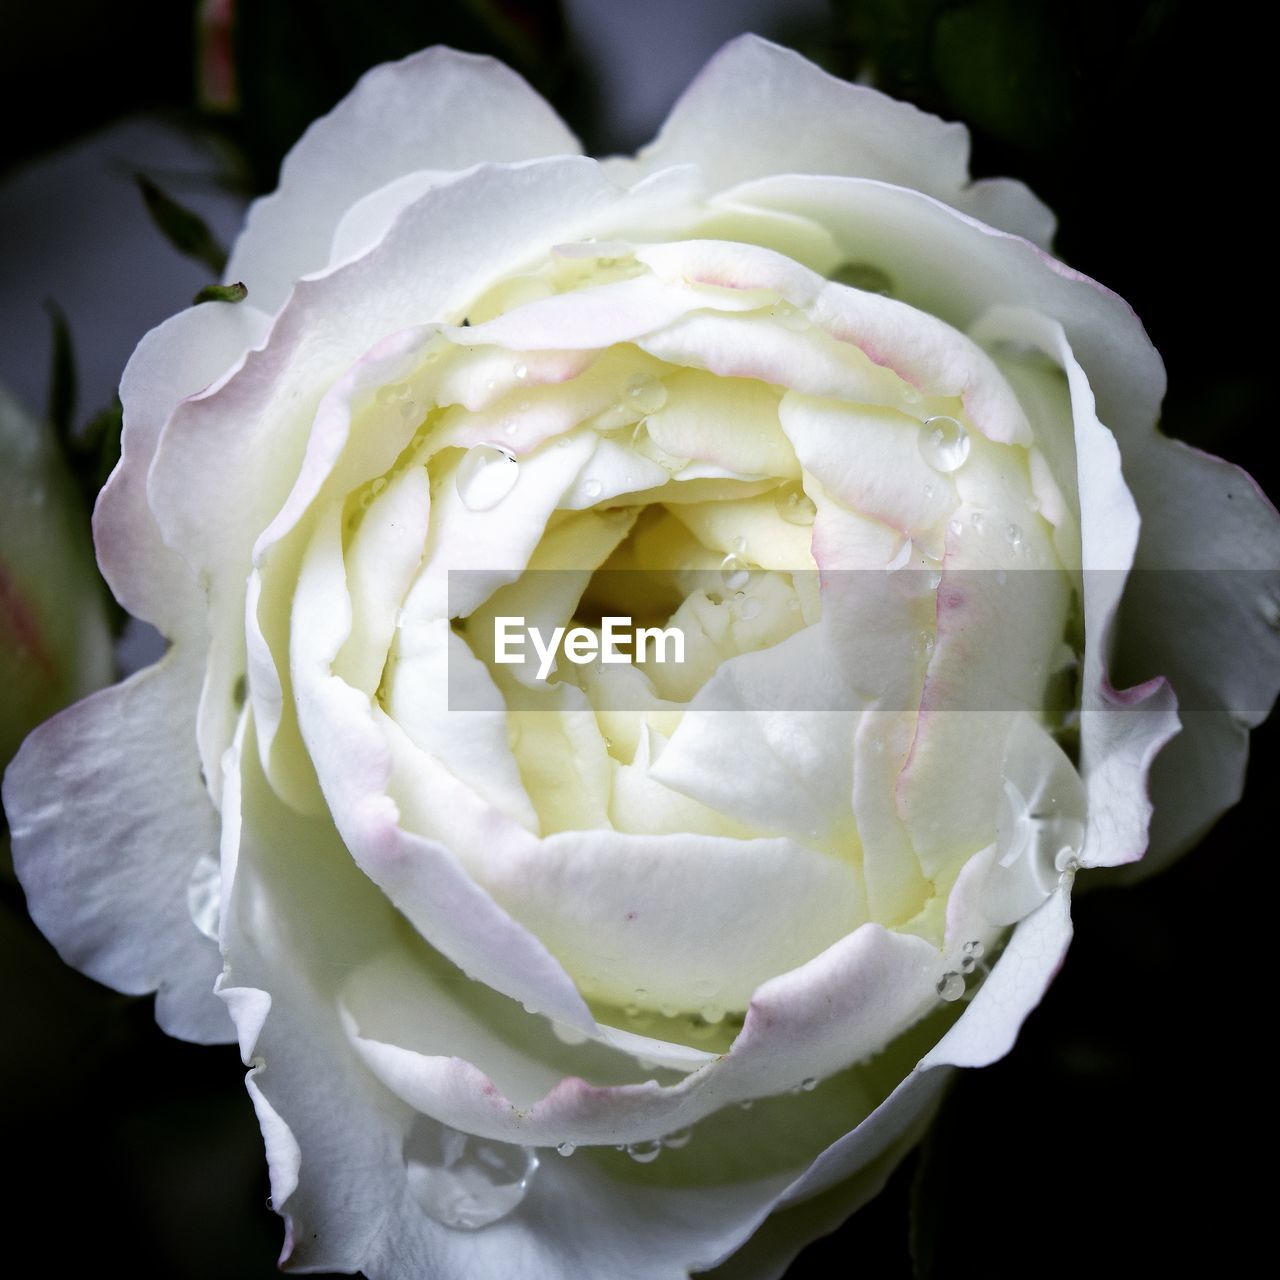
[463,918]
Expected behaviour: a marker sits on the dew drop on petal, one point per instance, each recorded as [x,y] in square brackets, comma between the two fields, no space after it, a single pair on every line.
[951,986]
[809,1084]
[1013,535]
[645,1152]
[521,372]
[749,609]
[796,507]
[592,489]
[944,444]
[646,394]
[566,1148]
[675,1141]
[485,476]
[975,949]
[463,1181]
[734,572]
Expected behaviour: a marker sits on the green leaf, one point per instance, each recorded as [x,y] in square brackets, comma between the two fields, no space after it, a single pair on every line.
[185,230]
[222,293]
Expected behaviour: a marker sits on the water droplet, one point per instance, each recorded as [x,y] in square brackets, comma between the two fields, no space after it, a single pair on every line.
[923,643]
[740,545]
[712,1014]
[631,1010]
[749,609]
[510,426]
[204,895]
[796,507]
[485,476]
[916,572]
[955,528]
[975,949]
[809,1084]
[464,1181]
[646,393]
[968,964]
[563,442]
[669,1010]
[746,1104]
[979,522]
[645,1152]
[566,1148]
[944,444]
[791,317]
[569,1035]
[1014,536]
[1271,612]
[678,1140]
[951,986]
[928,491]
[521,371]
[734,572]
[1066,860]
[1047,837]
[592,489]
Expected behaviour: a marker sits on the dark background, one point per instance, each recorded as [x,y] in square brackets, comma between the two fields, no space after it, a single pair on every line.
[1122,1131]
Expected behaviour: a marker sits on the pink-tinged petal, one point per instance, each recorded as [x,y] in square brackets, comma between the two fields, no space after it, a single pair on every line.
[177,359]
[1017,983]
[109,817]
[419,113]
[841,1007]
[957,268]
[927,355]
[336,1136]
[869,460]
[1201,608]
[348,747]
[1120,731]
[229,458]
[796,118]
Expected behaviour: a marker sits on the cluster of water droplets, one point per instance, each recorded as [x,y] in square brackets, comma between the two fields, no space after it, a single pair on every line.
[954,984]
[649,1149]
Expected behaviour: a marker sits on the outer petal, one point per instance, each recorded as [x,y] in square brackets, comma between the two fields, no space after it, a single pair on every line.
[110,816]
[334,1135]
[758,109]
[1203,609]
[438,109]
[177,359]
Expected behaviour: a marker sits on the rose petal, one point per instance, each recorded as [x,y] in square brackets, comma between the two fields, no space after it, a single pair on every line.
[419,113]
[100,846]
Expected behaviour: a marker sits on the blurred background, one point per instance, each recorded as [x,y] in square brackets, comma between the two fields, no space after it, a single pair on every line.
[1120,1131]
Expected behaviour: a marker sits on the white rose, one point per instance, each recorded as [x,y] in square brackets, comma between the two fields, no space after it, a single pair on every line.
[463,918]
